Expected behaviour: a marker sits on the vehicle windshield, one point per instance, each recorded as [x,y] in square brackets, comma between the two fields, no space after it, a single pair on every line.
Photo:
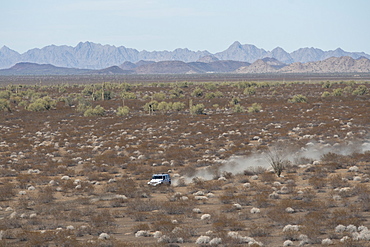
[157,177]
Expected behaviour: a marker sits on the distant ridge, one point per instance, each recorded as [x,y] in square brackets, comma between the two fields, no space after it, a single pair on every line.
[261,66]
[89,55]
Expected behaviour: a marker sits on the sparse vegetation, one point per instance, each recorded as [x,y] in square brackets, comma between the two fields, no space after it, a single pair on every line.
[75,160]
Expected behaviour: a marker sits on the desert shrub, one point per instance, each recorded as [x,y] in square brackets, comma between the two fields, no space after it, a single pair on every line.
[344,216]
[348,90]
[45,195]
[128,95]
[42,104]
[314,224]
[178,106]
[197,109]
[223,222]
[245,84]
[279,215]
[337,181]
[125,87]
[337,92]
[176,93]
[317,182]
[238,109]
[210,95]
[177,207]
[6,191]
[235,101]
[5,94]
[325,94]
[259,230]
[210,86]
[159,96]
[164,106]
[255,108]
[151,106]
[361,90]
[299,98]
[4,105]
[88,90]
[102,222]
[123,111]
[102,95]
[327,84]
[68,101]
[83,104]
[97,111]
[250,91]
[197,92]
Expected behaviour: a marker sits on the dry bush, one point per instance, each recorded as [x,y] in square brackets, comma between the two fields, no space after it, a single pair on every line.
[314,224]
[363,196]
[223,222]
[141,226]
[45,195]
[337,181]
[261,200]
[280,216]
[259,230]
[268,177]
[345,217]
[317,182]
[6,191]
[177,207]
[102,222]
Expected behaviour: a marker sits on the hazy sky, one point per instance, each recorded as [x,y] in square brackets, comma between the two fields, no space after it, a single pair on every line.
[211,25]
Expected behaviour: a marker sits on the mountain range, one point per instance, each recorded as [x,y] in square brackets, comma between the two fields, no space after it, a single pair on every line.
[89,55]
[206,64]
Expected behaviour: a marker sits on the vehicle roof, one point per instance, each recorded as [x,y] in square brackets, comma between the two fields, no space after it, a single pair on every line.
[159,174]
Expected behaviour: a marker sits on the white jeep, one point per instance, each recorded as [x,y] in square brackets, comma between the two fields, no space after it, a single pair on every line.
[162,178]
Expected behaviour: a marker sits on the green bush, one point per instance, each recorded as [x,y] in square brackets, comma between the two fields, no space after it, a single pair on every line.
[128,95]
[197,92]
[178,106]
[361,90]
[97,111]
[4,105]
[325,94]
[83,104]
[176,93]
[299,98]
[210,86]
[210,95]
[348,89]
[235,101]
[245,84]
[254,108]
[239,109]
[5,94]
[250,91]
[164,106]
[151,106]
[42,104]
[327,84]
[98,95]
[197,109]
[219,94]
[123,111]
[337,92]
[159,96]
